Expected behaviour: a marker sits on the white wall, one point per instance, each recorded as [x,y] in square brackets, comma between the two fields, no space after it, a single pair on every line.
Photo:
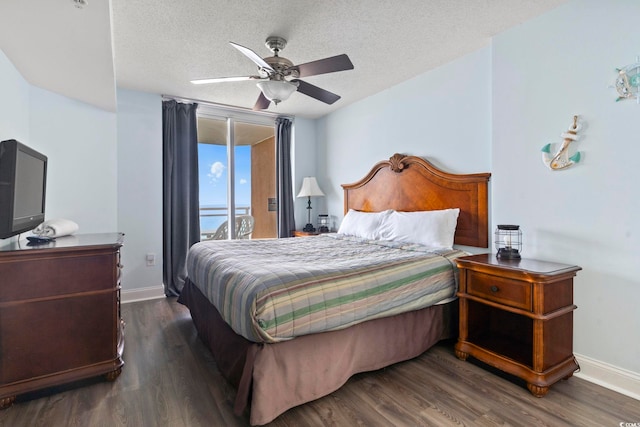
[14,108]
[442,115]
[80,142]
[304,164]
[140,188]
[544,72]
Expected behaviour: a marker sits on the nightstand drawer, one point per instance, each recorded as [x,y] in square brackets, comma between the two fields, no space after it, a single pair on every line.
[498,289]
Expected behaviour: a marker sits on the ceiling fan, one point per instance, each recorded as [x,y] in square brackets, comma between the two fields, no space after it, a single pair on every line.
[279,78]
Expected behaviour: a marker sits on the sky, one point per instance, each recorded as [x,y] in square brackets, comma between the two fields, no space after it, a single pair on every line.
[213,173]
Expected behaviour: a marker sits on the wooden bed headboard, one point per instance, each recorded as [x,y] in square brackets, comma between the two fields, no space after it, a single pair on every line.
[409,183]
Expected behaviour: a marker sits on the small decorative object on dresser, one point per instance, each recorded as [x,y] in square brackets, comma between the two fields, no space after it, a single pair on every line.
[517,316]
[59,313]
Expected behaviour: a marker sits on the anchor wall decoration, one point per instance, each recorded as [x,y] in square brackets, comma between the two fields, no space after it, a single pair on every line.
[561,159]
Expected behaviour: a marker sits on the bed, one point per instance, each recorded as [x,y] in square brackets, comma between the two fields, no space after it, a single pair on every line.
[280,359]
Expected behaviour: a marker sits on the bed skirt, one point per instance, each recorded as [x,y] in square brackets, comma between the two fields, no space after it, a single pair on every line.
[272,378]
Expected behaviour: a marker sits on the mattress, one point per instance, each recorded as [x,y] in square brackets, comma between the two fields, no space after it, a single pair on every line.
[272,290]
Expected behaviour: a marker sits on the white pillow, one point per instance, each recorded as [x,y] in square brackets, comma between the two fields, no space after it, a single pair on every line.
[430,228]
[365,225]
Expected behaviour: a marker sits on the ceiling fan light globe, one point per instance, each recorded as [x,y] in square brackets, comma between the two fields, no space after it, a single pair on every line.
[277,90]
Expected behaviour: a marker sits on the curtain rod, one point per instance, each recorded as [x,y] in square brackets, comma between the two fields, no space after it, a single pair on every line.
[225,106]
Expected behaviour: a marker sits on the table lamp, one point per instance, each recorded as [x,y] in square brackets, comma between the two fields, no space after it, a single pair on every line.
[309,189]
[508,241]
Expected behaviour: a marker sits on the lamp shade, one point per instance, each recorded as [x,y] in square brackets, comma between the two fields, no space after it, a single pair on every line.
[310,188]
[277,90]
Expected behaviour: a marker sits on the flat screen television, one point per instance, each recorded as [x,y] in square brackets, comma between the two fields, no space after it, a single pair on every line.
[23,179]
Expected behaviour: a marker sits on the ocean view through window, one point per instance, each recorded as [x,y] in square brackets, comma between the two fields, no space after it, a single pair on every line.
[213,175]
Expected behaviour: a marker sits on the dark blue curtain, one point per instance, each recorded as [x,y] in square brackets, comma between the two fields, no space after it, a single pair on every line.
[181,207]
[286,221]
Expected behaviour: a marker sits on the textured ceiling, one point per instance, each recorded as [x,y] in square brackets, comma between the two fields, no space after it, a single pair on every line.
[160,45]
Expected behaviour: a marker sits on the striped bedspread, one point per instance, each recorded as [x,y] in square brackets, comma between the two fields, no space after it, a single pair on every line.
[276,289]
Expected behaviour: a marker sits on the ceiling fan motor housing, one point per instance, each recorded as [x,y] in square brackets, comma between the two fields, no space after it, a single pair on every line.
[279,64]
[282,66]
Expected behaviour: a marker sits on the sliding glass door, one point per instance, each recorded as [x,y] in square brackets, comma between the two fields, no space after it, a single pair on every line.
[237,177]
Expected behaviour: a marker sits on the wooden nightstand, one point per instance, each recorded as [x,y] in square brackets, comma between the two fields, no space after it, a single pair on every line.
[297,233]
[517,316]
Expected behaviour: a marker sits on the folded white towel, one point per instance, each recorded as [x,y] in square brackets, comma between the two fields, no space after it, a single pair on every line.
[56,228]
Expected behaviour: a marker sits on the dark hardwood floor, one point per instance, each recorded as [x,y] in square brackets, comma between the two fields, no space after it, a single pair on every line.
[170,379]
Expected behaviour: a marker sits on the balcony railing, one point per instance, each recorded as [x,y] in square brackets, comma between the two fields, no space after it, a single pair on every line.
[218,212]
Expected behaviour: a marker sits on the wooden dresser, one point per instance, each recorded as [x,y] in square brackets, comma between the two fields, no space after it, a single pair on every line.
[517,316]
[59,312]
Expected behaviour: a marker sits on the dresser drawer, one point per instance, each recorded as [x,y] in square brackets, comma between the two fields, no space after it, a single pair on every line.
[55,275]
[498,289]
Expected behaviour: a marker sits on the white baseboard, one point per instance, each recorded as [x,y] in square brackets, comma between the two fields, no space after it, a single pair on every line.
[142,294]
[609,376]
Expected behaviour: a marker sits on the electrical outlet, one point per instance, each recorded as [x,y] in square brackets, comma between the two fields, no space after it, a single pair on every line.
[151,260]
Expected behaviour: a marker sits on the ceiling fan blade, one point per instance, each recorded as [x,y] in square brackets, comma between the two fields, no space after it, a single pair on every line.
[323,66]
[225,79]
[316,92]
[262,103]
[253,56]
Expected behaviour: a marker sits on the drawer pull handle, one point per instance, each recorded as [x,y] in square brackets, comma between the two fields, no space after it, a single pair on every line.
[494,288]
